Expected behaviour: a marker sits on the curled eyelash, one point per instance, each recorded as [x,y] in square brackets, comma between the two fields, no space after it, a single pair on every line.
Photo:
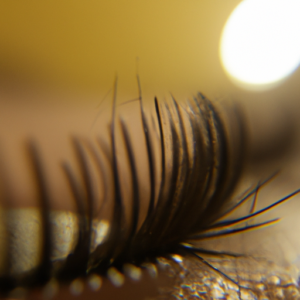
[201,161]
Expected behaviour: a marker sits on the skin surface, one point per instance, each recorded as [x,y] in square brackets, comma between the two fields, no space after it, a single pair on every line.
[51,125]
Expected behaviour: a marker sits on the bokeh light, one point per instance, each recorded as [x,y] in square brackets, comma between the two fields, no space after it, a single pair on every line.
[260,43]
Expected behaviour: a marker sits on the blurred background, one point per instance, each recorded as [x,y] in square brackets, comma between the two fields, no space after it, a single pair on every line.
[59,60]
[174,46]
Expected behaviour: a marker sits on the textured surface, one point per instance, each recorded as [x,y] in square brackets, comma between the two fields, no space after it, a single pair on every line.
[256,278]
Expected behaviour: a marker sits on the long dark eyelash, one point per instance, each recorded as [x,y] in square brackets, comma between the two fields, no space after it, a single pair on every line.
[192,202]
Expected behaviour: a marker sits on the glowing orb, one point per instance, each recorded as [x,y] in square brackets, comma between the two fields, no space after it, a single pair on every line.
[260,43]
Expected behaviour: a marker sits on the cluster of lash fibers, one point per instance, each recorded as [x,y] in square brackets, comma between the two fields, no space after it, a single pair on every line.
[193,160]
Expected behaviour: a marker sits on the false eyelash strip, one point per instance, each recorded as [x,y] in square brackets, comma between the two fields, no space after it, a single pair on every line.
[201,160]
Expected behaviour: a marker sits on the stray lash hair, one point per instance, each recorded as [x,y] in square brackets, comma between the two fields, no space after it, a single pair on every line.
[200,156]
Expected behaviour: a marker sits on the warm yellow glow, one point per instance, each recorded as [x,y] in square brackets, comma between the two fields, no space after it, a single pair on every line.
[260,43]
[172,44]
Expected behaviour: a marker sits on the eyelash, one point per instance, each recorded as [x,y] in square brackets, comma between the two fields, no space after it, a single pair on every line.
[215,159]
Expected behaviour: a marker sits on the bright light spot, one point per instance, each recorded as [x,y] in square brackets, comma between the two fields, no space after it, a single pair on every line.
[260,43]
